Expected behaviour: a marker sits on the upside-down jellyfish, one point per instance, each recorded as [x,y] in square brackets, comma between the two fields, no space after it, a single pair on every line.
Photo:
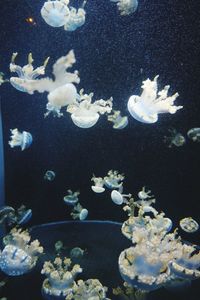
[145,108]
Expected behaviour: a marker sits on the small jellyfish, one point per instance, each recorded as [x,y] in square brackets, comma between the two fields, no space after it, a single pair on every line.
[59,247]
[175,138]
[126,7]
[49,175]
[4,212]
[23,140]
[71,198]
[189,225]
[145,108]
[143,195]
[119,198]
[23,215]
[2,80]
[118,121]
[98,185]
[76,253]
[113,180]
[79,212]
[84,113]
[194,134]
[76,18]
[55,13]
[27,74]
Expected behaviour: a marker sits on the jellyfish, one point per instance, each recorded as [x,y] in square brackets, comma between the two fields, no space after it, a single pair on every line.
[91,289]
[118,121]
[79,212]
[189,224]
[49,175]
[2,80]
[175,138]
[20,139]
[76,18]
[194,134]
[61,90]
[84,113]
[55,13]
[119,198]
[126,7]
[76,252]
[71,198]
[145,108]
[26,74]
[5,211]
[60,279]
[114,180]
[15,217]
[143,195]
[98,185]
[19,256]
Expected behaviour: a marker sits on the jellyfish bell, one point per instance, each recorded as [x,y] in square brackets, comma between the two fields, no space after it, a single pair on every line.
[98,185]
[55,13]
[189,225]
[97,189]
[63,95]
[126,7]
[49,175]
[117,197]
[83,214]
[145,108]
[194,134]
[84,118]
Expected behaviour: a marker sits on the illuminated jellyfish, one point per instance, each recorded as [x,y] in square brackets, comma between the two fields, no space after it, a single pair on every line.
[19,256]
[61,90]
[128,292]
[76,18]
[60,277]
[55,13]
[189,225]
[84,113]
[91,289]
[26,74]
[49,175]
[114,180]
[119,198]
[76,253]
[143,195]
[71,198]
[20,139]
[194,134]
[79,212]
[98,184]
[19,217]
[145,108]
[118,121]
[175,138]
[126,7]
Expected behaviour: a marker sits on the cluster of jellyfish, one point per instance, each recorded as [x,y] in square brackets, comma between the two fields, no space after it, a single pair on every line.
[177,139]
[78,211]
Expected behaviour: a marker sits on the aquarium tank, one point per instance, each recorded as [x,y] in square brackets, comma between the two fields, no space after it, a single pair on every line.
[99,150]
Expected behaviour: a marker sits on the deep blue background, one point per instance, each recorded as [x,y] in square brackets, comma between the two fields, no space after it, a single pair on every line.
[114,54]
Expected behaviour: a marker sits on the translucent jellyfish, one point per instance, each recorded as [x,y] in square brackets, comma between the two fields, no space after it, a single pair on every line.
[71,198]
[60,279]
[128,292]
[189,224]
[59,247]
[98,185]
[119,198]
[26,74]
[143,195]
[145,108]
[55,13]
[19,256]
[84,113]
[175,138]
[5,211]
[194,134]
[91,289]
[118,121]
[20,139]
[61,91]
[15,217]
[114,180]
[126,7]
[49,175]
[76,253]
[76,18]
[79,212]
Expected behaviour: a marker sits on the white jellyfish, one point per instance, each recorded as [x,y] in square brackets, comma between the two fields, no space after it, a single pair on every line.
[189,225]
[55,13]
[119,198]
[118,121]
[20,139]
[76,18]
[98,184]
[126,7]
[114,180]
[145,108]
[49,175]
[71,198]
[143,195]
[84,113]
[175,138]
[194,134]
[79,212]
[26,74]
